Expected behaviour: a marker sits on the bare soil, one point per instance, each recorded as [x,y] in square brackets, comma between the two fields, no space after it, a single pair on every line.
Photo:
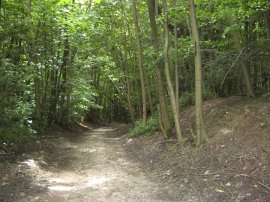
[81,167]
[104,164]
[233,166]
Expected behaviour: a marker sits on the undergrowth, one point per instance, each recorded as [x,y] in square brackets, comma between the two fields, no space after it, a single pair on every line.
[148,128]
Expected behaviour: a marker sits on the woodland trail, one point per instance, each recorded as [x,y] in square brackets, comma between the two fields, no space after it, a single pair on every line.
[93,167]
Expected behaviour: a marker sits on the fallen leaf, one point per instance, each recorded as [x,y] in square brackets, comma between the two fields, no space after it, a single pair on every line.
[206,172]
[228,184]
[219,190]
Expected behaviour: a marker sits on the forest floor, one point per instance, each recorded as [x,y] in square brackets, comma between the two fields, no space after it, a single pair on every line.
[104,164]
[83,166]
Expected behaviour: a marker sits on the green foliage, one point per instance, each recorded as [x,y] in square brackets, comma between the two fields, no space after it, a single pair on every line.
[16,123]
[15,109]
[82,100]
[188,98]
[39,85]
[15,134]
[60,60]
[209,94]
[97,1]
[148,128]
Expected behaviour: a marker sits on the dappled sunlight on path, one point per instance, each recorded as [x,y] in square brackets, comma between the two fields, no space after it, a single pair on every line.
[95,168]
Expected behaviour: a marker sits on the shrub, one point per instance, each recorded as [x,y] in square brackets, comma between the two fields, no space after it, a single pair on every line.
[188,98]
[148,128]
[208,94]
[15,123]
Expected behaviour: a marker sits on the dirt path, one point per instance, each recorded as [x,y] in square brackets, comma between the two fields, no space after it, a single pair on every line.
[93,167]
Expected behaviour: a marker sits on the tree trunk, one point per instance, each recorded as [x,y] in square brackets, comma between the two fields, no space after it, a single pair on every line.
[239,47]
[200,128]
[149,94]
[63,95]
[267,25]
[176,65]
[130,106]
[158,65]
[140,58]
[168,78]
[37,78]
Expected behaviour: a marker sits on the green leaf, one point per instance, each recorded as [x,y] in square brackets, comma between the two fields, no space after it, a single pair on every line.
[97,1]
[230,29]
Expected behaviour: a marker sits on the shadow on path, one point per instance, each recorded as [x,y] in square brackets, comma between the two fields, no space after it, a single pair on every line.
[92,166]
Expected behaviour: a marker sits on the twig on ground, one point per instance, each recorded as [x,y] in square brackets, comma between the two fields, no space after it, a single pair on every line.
[226,189]
[169,140]
[202,174]
[253,178]
[196,191]
[263,185]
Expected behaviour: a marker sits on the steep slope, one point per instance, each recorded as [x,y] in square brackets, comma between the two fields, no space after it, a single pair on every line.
[234,165]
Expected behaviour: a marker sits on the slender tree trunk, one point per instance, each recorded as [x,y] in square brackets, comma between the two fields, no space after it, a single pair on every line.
[168,78]
[267,25]
[130,105]
[37,78]
[140,58]
[55,78]
[149,94]
[130,84]
[200,128]
[176,64]
[64,67]
[161,93]
[239,47]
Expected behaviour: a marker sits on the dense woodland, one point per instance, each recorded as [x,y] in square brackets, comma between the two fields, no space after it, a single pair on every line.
[66,61]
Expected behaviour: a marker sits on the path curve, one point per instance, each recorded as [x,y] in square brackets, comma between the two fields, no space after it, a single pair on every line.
[94,167]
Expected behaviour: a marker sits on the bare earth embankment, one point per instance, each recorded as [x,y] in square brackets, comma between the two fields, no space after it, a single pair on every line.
[233,166]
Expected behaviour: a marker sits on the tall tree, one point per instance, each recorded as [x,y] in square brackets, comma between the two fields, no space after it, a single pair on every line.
[200,128]
[158,66]
[168,77]
[176,60]
[239,47]
[140,58]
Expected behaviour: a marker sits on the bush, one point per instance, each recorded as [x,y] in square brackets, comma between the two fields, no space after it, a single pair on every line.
[208,94]
[188,98]
[148,128]
[16,103]
[16,124]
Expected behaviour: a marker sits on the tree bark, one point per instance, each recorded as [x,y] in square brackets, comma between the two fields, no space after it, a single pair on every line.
[158,65]
[239,47]
[200,128]
[267,25]
[140,58]
[130,106]
[64,66]
[168,78]
[176,64]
